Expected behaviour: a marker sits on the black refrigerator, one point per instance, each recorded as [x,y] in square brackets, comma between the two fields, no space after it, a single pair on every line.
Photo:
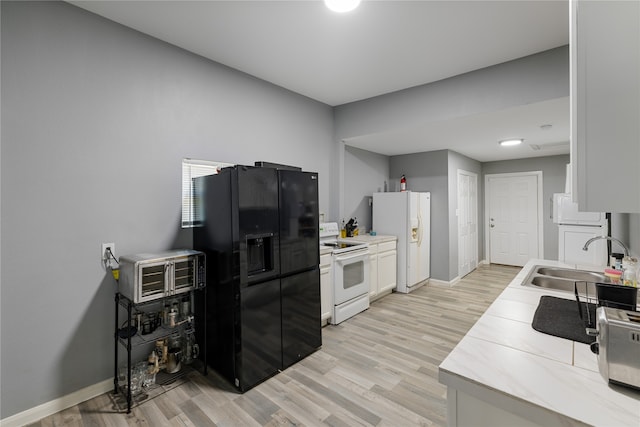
[260,233]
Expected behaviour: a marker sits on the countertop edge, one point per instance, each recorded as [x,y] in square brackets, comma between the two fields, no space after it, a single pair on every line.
[518,406]
[526,395]
[367,238]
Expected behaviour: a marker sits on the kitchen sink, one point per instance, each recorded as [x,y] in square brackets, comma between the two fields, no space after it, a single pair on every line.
[561,284]
[564,279]
[576,275]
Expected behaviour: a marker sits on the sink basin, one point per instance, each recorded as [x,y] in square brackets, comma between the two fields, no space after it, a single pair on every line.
[564,279]
[577,275]
[561,284]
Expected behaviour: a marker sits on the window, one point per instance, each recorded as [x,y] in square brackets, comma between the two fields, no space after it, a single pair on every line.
[193,169]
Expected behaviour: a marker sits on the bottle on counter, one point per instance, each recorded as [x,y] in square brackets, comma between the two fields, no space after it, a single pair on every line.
[403,183]
[615,260]
[630,271]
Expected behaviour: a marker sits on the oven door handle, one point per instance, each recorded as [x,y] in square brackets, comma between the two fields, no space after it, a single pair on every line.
[347,257]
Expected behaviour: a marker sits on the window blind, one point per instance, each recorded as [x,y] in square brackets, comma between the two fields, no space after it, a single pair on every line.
[191,168]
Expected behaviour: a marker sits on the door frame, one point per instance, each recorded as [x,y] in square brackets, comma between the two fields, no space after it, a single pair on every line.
[475,242]
[487,189]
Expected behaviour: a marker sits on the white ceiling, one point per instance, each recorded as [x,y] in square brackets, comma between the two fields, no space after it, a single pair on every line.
[477,136]
[381,47]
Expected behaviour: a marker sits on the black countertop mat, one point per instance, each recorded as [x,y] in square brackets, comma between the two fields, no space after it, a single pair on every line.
[560,317]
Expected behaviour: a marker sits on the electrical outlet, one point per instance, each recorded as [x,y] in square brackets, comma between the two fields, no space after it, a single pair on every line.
[104,254]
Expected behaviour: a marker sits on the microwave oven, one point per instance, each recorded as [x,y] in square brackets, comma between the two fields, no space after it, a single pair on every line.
[151,276]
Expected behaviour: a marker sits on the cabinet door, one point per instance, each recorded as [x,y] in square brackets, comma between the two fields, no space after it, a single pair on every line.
[326,292]
[373,275]
[387,270]
[605,97]
[570,242]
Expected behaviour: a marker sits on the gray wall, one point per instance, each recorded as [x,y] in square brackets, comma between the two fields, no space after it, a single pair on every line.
[96,119]
[364,174]
[534,78]
[436,172]
[429,172]
[553,181]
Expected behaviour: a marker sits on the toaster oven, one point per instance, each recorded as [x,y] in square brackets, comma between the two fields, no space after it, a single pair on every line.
[618,345]
[150,276]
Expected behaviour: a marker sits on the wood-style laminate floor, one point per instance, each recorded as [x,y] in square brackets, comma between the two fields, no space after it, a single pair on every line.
[379,368]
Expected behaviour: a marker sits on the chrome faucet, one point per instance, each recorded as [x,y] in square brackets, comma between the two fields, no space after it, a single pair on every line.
[593,239]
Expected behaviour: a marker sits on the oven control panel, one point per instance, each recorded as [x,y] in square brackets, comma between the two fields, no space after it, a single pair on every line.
[329,229]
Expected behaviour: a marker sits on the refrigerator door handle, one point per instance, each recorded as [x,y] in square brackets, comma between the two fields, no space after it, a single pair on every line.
[419,229]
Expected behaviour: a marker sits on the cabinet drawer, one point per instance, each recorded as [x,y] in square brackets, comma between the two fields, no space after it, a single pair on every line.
[386,246]
[325,260]
[373,248]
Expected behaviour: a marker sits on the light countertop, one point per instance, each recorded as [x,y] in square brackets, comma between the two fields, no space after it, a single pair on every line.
[364,238]
[504,354]
[324,250]
[367,238]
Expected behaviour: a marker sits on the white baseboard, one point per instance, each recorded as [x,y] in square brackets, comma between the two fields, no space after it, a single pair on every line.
[456,279]
[449,283]
[49,408]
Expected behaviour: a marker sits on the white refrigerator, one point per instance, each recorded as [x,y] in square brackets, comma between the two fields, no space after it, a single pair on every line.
[406,215]
[575,228]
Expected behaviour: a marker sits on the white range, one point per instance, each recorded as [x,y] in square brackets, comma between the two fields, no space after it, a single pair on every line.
[350,267]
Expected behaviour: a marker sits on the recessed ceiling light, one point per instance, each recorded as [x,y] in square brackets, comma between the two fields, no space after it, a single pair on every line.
[341,6]
[509,142]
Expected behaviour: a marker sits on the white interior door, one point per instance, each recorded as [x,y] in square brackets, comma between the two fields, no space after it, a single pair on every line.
[514,217]
[467,222]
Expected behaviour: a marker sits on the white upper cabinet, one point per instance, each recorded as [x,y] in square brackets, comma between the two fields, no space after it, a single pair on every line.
[605,105]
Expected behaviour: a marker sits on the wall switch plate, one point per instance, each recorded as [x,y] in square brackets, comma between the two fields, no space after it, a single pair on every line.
[104,255]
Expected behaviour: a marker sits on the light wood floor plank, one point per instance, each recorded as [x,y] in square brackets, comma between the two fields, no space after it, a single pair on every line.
[379,368]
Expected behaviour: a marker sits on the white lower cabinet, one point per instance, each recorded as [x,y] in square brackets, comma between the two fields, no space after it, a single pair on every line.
[387,267]
[383,270]
[382,273]
[326,288]
[373,271]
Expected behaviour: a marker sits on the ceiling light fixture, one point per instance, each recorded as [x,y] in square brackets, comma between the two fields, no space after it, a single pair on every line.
[510,142]
[341,6]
